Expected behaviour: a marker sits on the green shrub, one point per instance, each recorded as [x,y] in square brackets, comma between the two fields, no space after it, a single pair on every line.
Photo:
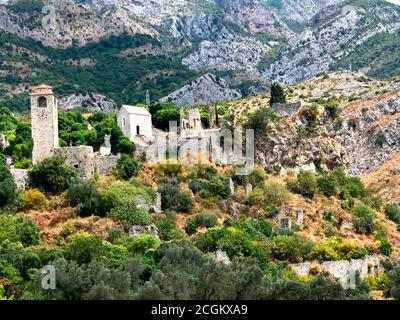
[339,175]
[128,214]
[374,201]
[394,275]
[306,184]
[386,248]
[275,194]
[162,117]
[140,244]
[197,185]
[84,249]
[392,211]
[291,248]
[169,231]
[14,229]
[364,219]
[52,175]
[272,213]
[206,220]
[7,186]
[219,187]
[33,199]
[259,120]
[364,225]
[27,231]
[114,234]
[171,170]
[257,197]
[120,143]
[127,167]
[84,194]
[203,172]
[114,195]
[363,211]
[328,185]
[354,188]
[175,199]
[278,95]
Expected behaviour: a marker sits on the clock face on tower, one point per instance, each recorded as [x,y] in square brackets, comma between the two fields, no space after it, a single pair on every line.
[43,115]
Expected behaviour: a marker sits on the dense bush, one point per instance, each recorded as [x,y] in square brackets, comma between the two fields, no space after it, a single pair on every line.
[291,248]
[128,214]
[256,178]
[169,231]
[259,120]
[220,188]
[392,211]
[196,185]
[363,219]
[114,195]
[85,249]
[337,249]
[51,175]
[270,196]
[374,201]
[140,244]
[277,94]
[206,220]
[127,167]
[7,186]
[306,184]
[120,143]
[354,188]
[175,199]
[394,275]
[14,229]
[328,185]
[33,199]
[202,171]
[85,195]
[162,117]
[275,194]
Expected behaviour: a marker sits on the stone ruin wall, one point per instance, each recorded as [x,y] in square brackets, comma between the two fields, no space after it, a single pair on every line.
[343,269]
[86,161]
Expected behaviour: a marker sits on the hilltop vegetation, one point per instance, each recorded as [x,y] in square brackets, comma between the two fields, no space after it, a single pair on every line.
[82,227]
[120,77]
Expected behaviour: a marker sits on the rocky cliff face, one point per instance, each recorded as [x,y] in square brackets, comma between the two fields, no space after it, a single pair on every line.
[298,11]
[254,16]
[91,102]
[332,35]
[74,25]
[203,90]
[368,136]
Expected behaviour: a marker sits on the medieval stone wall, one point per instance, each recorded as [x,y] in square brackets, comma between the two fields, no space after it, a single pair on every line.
[81,158]
[104,164]
[20,177]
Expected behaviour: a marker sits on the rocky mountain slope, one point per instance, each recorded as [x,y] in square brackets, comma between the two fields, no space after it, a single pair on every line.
[257,40]
[331,36]
[346,120]
[203,90]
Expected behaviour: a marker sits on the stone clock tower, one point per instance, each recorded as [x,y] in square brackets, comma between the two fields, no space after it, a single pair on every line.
[44,117]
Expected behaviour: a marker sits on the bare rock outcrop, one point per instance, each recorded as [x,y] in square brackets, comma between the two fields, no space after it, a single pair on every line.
[203,90]
[91,102]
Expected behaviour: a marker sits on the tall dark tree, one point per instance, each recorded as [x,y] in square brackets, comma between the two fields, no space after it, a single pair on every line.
[7,185]
[277,94]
